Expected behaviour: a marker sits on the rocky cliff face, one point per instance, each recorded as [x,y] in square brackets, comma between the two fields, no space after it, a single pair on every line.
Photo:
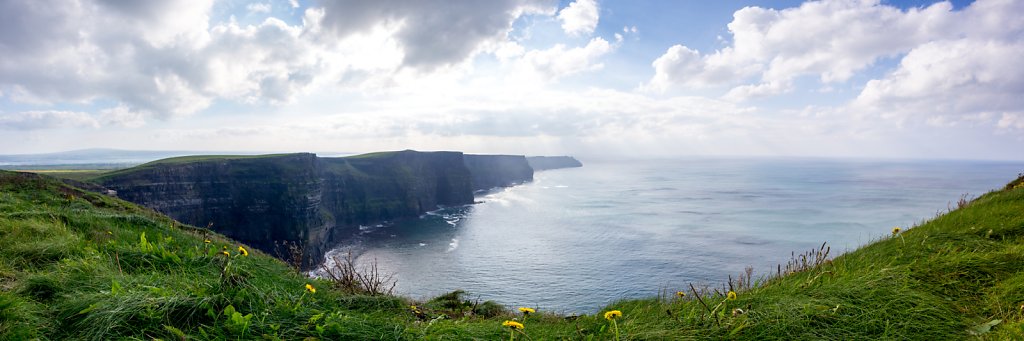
[539,163]
[250,199]
[301,198]
[490,171]
[297,197]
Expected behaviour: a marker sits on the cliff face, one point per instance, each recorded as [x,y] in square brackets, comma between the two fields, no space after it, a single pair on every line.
[539,163]
[386,186]
[250,199]
[490,171]
[298,197]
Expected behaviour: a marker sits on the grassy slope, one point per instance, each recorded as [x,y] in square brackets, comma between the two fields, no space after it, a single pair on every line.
[73,266]
[71,174]
[180,160]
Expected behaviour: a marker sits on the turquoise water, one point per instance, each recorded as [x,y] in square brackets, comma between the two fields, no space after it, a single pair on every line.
[577,239]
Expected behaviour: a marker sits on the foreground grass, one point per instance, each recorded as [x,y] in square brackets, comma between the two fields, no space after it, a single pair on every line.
[78,265]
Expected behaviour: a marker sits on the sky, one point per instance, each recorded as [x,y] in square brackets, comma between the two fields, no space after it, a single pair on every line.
[618,78]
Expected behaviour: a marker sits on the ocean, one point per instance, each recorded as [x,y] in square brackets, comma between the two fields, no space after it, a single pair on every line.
[575,240]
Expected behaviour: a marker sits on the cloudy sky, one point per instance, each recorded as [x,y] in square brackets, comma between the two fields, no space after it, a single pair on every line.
[849,78]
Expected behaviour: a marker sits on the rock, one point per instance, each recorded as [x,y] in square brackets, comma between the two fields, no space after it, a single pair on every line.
[490,171]
[539,163]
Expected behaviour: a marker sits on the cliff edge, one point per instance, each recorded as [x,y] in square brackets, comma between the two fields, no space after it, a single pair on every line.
[539,163]
[302,199]
[296,198]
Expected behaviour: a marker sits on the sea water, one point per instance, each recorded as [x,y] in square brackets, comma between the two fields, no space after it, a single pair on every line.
[574,240]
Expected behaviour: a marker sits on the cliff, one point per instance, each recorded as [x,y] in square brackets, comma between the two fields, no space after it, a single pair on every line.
[539,163]
[490,171]
[264,200]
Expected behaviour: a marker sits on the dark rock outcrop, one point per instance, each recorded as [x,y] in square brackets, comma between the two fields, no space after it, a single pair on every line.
[539,163]
[297,198]
[490,171]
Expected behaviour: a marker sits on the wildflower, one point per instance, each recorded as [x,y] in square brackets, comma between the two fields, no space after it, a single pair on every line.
[243,251]
[225,247]
[206,241]
[310,288]
[527,311]
[731,295]
[225,253]
[680,294]
[110,232]
[895,230]
[512,324]
[611,316]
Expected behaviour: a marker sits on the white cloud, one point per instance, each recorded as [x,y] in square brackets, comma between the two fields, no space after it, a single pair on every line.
[954,79]
[35,120]
[559,61]
[1011,121]
[745,92]
[122,116]
[164,59]
[258,7]
[831,39]
[294,3]
[431,33]
[949,72]
[681,65]
[580,17]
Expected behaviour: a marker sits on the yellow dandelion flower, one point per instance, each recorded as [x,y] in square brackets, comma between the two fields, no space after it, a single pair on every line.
[243,251]
[310,288]
[512,324]
[110,232]
[680,294]
[225,253]
[206,241]
[611,315]
[526,311]
[895,230]
[225,247]
[731,295]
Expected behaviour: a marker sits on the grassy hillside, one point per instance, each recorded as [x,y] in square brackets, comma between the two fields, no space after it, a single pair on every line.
[182,160]
[78,265]
[71,174]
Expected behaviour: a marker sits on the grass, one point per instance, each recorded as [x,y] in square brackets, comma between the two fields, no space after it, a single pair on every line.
[72,174]
[194,158]
[78,265]
[180,160]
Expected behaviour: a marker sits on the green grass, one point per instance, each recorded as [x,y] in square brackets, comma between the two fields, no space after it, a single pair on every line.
[78,265]
[181,160]
[371,155]
[194,158]
[72,174]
